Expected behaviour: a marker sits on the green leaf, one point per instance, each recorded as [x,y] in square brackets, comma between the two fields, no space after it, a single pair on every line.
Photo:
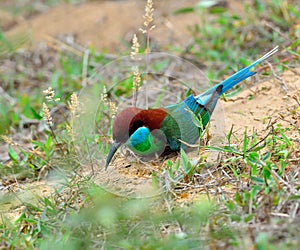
[231,206]
[20,218]
[25,157]
[257,180]
[225,149]
[266,156]
[161,65]
[12,154]
[258,148]
[285,153]
[155,179]
[253,158]
[177,164]
[184,10]
[235,217]
[286,140]
[48,142]
[266,172]
[4,43]
[169,163]
[35,114]
[245,143]
[188,92]
[235,173]
[248,218]
[238,199]
[230,134]
[294,197]
[217,10]
[186,163]
[230,149]
[255,189]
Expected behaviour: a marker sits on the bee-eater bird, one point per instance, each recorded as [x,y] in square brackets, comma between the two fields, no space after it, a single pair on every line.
[148,132]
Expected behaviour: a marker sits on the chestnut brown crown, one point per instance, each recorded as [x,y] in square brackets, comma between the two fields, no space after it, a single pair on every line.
[130,119]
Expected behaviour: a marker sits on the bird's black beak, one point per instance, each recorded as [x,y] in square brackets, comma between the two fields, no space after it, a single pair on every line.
[111,153]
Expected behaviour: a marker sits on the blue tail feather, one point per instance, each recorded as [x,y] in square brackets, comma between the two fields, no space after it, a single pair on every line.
[237,77]
[204,104]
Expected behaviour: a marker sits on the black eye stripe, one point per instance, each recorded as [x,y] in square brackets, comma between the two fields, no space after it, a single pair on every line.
[137,124]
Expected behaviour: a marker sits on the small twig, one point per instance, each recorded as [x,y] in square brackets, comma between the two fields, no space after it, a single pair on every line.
[74,48]
[283,84]
[276,29]
[274,174]
[85,67]
[294,212]
[59,108]
[296,98]
[280,214]
[54,43]
[148,24]
[259,142]
[294,160]
[7,96]
[263,68]
[189,145]
[53,134]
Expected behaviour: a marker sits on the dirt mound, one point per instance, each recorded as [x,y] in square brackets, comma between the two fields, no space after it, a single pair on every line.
[104,25]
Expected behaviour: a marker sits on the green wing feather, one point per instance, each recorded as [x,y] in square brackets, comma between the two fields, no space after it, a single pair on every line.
[179,125]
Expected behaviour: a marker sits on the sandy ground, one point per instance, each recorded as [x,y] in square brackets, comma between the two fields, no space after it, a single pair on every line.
[265,102]
[104,25]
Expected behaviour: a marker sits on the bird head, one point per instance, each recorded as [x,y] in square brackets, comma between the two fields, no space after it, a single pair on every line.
[121,130]
[133,126]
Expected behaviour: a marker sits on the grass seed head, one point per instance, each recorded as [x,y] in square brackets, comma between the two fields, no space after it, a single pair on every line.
[135,47]
[113,109]
[136,78]
[103,96]
[148,17]
[49,94]
[47,115]
[7,139]
[73,103]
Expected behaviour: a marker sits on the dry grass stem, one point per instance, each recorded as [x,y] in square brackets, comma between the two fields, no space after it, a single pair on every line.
[283,84]
[85,67]
[148,25]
